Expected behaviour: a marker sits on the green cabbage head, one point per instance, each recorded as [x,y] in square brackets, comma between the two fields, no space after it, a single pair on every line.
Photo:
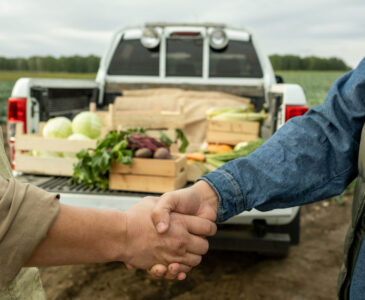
[59,127]
[87,123]
[75,137]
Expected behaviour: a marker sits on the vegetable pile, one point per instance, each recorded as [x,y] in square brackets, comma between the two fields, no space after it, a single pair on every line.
[85,126]
[220,159]
[217,155]
[244,113]
[92,168]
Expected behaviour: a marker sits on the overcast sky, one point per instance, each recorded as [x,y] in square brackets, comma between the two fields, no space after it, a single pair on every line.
[67,27]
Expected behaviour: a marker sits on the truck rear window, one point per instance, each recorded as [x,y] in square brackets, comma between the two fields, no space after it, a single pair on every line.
[131,58]
[184,57]
[238,59]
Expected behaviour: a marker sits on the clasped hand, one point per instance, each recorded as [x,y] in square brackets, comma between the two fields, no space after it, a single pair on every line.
[166,235]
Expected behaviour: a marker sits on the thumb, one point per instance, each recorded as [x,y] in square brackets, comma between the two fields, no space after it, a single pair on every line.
[161,212]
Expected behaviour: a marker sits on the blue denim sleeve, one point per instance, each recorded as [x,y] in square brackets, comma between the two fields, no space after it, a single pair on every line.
[310,158]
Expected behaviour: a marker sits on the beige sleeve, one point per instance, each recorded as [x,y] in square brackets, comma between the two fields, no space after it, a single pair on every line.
[26,214]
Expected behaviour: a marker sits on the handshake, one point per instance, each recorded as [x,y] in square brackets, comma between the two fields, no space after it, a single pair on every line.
[166,235]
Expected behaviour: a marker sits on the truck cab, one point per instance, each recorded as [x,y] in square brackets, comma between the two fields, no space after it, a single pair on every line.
[203,57]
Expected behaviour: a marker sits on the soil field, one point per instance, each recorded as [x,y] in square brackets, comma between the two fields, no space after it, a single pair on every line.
[309,272]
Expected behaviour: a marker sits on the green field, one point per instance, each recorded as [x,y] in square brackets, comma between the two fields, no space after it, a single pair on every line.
[316,84]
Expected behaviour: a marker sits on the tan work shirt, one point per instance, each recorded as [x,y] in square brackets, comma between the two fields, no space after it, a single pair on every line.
[26,214]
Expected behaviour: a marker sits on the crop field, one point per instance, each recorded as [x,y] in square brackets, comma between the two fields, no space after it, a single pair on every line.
[316,84]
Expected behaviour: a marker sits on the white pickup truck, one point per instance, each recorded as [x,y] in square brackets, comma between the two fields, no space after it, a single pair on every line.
[189,56]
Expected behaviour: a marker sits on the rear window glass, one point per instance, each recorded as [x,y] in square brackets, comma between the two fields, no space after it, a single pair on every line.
[132,58]
[238,59]
[184,57]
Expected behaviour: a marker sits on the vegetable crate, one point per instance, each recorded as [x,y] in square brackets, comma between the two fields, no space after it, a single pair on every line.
[149,175]
[232,132]
[157,118]
[26,144]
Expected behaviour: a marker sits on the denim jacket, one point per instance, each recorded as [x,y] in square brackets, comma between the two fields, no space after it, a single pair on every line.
[310,158]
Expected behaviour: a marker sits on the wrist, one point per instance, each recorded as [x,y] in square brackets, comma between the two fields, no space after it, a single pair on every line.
[115,249]
[207,194]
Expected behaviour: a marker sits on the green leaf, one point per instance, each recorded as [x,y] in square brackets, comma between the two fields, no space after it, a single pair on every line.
[184,141]
[126,160]
[92,168]
[165,139]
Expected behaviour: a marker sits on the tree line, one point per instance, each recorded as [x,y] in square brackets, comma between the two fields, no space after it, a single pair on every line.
[68,64]
[90,64]
[294,62]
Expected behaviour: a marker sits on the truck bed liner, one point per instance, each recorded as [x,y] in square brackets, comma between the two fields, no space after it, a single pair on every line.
[59,184]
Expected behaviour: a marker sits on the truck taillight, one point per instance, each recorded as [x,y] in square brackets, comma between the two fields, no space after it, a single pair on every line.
[17,111]
[294,111]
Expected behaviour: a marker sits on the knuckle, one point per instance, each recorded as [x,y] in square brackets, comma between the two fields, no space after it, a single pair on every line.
[197,260]
[205,247]
[181,245]
[207,229]
[213,229]
[155,213]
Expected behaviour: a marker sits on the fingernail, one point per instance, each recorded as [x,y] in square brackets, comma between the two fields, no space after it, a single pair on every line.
[161,226]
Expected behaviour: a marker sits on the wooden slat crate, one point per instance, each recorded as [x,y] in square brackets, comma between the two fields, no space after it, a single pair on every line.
[149,175]
[232,132]
[60,166]
[114,119]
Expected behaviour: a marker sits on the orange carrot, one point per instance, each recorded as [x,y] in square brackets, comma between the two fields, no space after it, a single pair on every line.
[196,156]
[216,148]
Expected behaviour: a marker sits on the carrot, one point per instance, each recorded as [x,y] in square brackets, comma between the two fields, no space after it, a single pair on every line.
[216,148]
[196,156]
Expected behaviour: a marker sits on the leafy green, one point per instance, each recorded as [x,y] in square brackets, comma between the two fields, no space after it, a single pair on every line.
[184,141]
[180,136]
[92,168]
[165,139]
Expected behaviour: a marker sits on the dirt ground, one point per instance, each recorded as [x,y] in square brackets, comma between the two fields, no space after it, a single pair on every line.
[309,272]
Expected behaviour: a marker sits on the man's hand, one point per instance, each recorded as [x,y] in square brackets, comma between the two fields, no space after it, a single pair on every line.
[181,242]
[199,200]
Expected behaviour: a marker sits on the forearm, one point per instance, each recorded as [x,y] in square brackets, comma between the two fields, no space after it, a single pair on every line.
[82,235]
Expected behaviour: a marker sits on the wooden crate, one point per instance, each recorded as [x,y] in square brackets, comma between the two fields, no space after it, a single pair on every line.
[149,175]
[232,132]
[25,162]
[157,118]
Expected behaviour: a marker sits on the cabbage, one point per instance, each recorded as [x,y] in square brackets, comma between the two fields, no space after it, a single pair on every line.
[46,154]
[78,137]
[59,127]
[87,123]
[75,137]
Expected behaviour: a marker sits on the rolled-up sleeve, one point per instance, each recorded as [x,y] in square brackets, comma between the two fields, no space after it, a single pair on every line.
[26,214]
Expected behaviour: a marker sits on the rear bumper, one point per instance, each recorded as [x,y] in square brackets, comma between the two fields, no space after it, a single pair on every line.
[236,234]
[273,217]
[271,243]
